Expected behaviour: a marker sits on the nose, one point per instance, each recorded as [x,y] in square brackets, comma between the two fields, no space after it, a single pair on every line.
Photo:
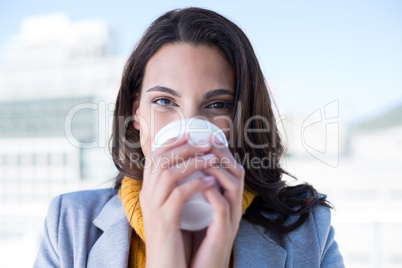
[191,110]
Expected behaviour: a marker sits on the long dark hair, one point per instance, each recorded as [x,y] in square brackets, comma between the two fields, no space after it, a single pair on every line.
[204,27]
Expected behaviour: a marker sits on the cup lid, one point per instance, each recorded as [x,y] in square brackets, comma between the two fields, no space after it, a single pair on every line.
[199,129]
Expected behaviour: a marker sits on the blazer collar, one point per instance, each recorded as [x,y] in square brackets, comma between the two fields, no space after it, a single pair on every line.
[112,247]
[253,247]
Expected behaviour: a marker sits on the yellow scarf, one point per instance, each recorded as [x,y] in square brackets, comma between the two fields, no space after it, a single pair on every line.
[129,195]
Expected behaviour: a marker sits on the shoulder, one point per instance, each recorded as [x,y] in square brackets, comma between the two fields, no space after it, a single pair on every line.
[318,220]
[314,241]
[91,196]
[318,223]
[69,231]
[310,245]
[83,200]
[321,218]
[329,250]
[81,206]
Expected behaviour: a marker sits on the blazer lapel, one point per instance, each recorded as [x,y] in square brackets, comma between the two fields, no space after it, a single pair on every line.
[112,247]
[254,248]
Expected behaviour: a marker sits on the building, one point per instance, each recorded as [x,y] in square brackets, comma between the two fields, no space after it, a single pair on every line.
[58,82]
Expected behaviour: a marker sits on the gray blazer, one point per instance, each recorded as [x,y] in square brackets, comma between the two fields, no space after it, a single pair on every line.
[90,229]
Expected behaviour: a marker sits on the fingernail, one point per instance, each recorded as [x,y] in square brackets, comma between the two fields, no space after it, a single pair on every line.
[208,156]
[217,140]
[209,179]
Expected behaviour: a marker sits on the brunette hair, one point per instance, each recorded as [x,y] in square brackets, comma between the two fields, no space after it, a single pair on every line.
[204,27]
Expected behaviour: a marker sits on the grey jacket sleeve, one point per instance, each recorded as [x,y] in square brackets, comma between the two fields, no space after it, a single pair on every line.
[48,249]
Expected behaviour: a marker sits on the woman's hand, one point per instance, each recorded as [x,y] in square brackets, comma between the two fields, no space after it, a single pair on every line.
[216,247]
[162,201]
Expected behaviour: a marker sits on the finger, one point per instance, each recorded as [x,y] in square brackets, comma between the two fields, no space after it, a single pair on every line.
[175,155]
[151,159]
[220,209]
[183,152]
[169,144]
[176,174]
[226,159]
[183,192]
[232,187]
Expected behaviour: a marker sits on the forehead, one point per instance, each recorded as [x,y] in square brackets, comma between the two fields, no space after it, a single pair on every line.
[183,65]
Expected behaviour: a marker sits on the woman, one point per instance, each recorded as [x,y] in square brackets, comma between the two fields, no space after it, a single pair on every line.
[192,63]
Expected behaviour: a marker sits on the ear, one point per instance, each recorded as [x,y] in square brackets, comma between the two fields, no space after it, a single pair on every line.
[136,112]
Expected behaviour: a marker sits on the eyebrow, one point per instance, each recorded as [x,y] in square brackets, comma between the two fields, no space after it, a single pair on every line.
[164,89]
[209,94]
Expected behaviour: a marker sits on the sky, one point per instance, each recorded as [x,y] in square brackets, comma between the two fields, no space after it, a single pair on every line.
[312,52]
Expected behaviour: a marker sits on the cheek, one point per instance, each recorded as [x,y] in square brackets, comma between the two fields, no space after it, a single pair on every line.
[144,116]
[149,126]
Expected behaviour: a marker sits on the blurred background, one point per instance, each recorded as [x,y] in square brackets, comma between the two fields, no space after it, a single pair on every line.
[334,67]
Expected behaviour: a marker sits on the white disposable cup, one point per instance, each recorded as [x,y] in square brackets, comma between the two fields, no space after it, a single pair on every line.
[197,212]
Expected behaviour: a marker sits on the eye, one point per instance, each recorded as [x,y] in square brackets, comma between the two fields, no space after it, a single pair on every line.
[220,105]
[163,102]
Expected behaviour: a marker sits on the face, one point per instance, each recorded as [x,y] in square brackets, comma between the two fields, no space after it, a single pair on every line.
[184,81]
